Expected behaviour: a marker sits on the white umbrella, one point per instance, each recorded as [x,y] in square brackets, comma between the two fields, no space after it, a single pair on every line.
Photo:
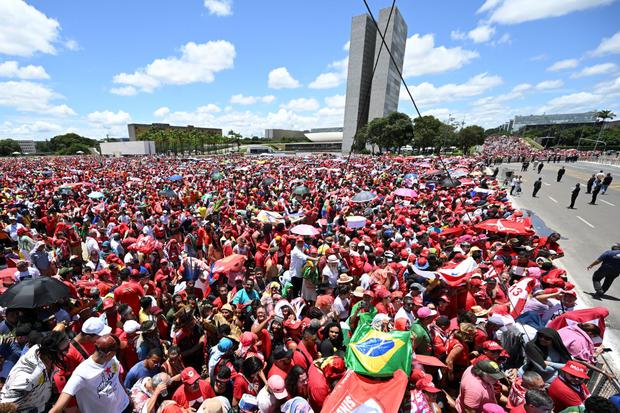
[356,221]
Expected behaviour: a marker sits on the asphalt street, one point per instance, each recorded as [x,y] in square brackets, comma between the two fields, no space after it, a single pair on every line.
[586,231]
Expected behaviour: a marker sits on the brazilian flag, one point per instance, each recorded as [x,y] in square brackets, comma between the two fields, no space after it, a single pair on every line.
[378,354]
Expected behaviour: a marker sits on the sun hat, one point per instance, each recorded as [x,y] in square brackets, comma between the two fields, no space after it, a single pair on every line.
[358,292]
[344,279]
[575,369]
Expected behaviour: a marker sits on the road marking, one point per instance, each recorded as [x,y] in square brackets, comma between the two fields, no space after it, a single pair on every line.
[544,183]
[605,202]
[585,222]
[552,199]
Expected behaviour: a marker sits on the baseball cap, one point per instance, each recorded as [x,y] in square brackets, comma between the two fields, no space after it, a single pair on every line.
[425,312]
[189,375]
[492,346]
[95,326]
[131,326]
[491,368]
[276,385]
[575,369]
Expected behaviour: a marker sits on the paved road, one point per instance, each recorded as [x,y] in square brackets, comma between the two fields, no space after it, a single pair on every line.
[586,231]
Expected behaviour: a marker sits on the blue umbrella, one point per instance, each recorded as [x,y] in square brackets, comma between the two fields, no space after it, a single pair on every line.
[168,193]
[175,178]
[96,195]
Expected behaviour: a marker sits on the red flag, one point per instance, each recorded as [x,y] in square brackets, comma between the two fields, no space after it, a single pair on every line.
[458,274]
[359,393]
[519,293]
[594,315]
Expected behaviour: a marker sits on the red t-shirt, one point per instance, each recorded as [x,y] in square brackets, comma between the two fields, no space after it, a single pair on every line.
[318,389]
[242,386]
[565,396]
[129,292]
[277,371]
[188,399]
[302,357]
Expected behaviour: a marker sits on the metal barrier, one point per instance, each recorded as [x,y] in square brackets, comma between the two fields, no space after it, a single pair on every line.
[601,384]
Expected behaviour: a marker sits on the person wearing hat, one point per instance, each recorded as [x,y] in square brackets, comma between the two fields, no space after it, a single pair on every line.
[322,377]
[422,342]
[330,273]
[95,383]
[477,386]
[193,391]
[282,362]
[363,306]
[491,350]
[342,303]
[272,396]
[12,351]
[298,260]
[569,388]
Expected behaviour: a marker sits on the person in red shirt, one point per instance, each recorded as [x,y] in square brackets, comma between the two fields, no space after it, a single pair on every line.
[248,380]
[130,292]
[536,401]
[193,391]
[282,362]
[306,351]
[569,388]
[322,377]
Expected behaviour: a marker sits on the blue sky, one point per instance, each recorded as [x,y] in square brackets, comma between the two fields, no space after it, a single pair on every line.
[92,67]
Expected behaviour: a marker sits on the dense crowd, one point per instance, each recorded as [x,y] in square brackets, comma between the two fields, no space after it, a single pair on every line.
[501,148]
[236,283]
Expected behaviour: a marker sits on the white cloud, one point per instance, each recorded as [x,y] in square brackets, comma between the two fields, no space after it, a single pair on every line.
[563,64]
[39,126]
[549,84]
[522,87]
[24,30]
[610,88]
[505,39]
[346,46]
[219,7]
[72,45]
[573,102]
[27,96]
[210,108]
[336,101]
[429,94]
[161,112]
[595,70]
[124,91]
[519,11]
[422,57]
[280,78]
[11,68]
[198,64]
[240,99]
[458,35]
[481,34]
[107,117]
[609,45]
[302,105]
[334,78]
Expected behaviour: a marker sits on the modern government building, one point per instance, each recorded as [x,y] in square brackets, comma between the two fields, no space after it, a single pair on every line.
[521,123]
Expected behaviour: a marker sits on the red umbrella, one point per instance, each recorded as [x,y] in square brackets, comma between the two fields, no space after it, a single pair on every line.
[504,226]
[232,263]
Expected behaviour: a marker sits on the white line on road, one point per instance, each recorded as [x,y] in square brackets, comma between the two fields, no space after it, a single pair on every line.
[585,222]
[605,202]
[546,184]
[552,199]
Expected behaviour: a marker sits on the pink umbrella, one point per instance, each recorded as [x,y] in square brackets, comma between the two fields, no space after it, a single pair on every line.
[305,230]
[406,193]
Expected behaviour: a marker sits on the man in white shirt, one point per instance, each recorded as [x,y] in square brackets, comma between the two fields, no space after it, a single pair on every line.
[298,260]
[25,272]
[12,228]
[95,382]
[406,311]
[272,396]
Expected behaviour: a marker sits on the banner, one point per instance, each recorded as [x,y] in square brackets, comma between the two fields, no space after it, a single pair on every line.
[379,354]
[519,293]
[357,394]
[460,273]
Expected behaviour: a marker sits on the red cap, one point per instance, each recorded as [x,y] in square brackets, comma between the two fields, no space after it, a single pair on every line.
[492,346]
[189,375]
[383,293]
[575,369]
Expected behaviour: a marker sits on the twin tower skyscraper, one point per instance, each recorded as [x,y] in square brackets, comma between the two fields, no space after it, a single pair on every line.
[373,83]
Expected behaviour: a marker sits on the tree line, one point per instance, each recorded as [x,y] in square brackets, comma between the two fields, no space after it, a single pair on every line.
[398,130]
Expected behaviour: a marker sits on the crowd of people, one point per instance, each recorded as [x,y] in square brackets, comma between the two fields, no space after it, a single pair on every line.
[235,283]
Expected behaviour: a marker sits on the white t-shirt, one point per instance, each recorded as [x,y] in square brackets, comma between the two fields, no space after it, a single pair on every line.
[298,260]
[28,385]
[267,402]
[97,387]
[402,313]
[342,307]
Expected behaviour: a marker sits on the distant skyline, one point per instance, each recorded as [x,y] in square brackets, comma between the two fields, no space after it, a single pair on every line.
[91,68]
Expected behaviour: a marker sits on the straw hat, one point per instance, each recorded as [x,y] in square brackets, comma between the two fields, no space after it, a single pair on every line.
[344,279]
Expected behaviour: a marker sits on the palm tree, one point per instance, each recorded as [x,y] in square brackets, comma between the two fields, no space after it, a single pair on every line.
[603,115]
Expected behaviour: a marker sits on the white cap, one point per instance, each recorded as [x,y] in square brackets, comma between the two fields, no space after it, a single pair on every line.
[131,326]
[95,325]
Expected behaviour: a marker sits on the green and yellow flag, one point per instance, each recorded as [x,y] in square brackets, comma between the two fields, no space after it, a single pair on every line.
[378,354]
